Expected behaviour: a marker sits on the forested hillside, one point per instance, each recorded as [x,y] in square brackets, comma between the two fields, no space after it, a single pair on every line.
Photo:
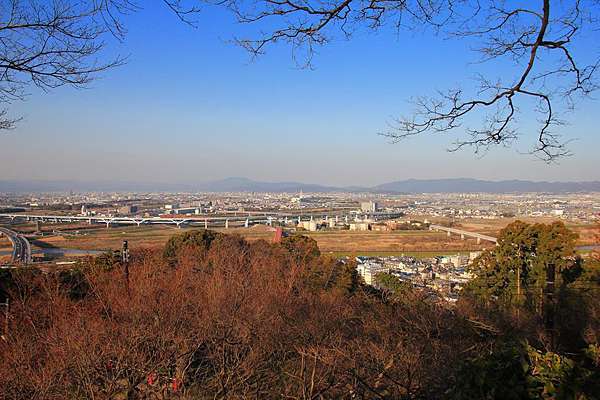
[213,316]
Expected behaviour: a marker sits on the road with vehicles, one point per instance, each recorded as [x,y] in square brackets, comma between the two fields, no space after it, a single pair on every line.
[21,247]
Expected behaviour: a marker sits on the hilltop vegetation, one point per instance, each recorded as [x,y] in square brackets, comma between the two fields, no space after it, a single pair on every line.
[214,316]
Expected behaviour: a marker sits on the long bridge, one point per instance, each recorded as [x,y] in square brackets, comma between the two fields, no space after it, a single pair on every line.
[205,221]
[21,246]
[463,233]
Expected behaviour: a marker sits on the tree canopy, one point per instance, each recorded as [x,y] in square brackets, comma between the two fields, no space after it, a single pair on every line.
[526,260]
[218,317]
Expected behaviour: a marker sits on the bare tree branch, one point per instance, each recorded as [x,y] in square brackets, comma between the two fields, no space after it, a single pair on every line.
[54,43]
[537,37]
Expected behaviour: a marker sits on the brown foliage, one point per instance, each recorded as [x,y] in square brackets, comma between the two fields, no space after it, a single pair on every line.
[236,320]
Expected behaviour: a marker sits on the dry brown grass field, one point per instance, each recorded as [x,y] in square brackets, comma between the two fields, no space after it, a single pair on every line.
[396,241]
[97,237]
[5,246]
[4,242]
[587,233]
[100,238]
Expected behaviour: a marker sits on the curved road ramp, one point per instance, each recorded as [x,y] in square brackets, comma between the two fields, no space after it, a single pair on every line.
[21,247]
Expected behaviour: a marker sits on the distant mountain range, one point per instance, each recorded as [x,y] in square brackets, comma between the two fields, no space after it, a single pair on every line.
[456,185]
[464,185]
[249,185]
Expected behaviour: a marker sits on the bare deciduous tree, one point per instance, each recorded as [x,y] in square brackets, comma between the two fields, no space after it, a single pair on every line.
[537,37]
[59,42]
[52,43]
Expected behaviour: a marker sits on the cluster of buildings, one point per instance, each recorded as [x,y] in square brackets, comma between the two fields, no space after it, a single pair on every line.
[443,276]
[575,207]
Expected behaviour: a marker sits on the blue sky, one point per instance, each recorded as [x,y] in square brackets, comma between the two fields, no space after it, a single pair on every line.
[189,106]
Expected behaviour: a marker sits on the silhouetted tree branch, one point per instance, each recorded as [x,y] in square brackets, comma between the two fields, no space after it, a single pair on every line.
[537,37]
[53,43]
[56,43]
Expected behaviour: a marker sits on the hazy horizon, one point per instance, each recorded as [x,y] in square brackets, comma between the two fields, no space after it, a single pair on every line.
[303,181]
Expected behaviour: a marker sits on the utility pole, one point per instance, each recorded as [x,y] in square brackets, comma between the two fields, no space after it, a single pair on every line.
[125,262]
[549,304]
[6,313]
[519,278]
[125,252]
[519,267]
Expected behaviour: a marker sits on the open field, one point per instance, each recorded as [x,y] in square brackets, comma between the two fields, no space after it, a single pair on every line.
[4,242]
[588,234]
[395,241]
[100,238]
[422,243]
[5,249]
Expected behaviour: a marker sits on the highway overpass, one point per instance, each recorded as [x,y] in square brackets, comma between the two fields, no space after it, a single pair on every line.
[204,221]
[21,246]
[463,234]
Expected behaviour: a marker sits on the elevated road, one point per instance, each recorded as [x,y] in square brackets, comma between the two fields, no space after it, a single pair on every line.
[205,221]
[21,247]
[463,233]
